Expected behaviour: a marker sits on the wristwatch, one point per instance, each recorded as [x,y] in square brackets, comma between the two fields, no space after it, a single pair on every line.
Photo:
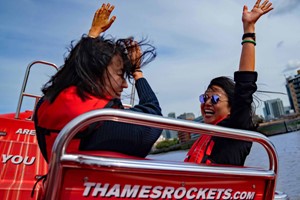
[252,35]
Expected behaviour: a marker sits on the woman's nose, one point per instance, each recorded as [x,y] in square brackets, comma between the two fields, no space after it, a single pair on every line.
[208,101]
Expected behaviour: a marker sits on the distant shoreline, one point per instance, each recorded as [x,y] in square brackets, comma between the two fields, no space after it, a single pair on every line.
[279,126]
[268,129]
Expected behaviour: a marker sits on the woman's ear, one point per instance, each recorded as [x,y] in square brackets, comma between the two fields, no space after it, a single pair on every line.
[229,110]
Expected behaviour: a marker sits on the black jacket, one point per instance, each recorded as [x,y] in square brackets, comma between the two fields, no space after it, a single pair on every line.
[130,139]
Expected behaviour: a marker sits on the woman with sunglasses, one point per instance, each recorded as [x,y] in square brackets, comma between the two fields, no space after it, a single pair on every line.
[228,103]
[93,77]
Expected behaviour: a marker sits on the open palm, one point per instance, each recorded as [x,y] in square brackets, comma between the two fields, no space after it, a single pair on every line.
[101,21]
[257,11]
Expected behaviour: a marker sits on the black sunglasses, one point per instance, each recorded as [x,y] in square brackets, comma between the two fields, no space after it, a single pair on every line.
[214,98]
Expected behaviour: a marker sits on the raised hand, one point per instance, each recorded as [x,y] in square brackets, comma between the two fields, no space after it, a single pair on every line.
[134,53]
[135,56]
[250,18]
[101,21]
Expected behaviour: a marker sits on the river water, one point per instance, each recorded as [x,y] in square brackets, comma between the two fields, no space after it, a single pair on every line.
[288,150]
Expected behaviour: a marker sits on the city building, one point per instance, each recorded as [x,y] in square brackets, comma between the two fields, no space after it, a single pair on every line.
[273,109]
[172,115]
[184,136]
[288,110]
[170,134]
[194,136]
[293,91]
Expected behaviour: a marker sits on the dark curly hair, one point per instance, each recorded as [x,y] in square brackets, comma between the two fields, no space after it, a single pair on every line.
[87,62]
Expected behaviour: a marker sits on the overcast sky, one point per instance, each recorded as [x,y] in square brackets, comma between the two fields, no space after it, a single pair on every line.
[195,41]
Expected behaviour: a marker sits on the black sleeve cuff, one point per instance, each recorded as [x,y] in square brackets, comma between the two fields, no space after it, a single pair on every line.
[245,76]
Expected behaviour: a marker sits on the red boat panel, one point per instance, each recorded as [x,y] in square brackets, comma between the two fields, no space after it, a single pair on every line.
[21,160]
[136,184]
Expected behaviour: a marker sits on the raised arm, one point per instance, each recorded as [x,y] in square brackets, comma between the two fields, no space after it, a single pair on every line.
[101,21]
[247,60]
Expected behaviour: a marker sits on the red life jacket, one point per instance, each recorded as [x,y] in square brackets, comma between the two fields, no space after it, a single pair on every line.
[200,150]
[52,117]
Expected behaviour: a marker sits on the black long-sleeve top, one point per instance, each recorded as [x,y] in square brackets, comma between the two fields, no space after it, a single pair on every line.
[126,138]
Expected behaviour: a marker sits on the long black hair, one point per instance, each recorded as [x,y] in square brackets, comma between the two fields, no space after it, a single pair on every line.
[87,62]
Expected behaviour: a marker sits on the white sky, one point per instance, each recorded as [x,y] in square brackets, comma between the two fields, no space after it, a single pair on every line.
[195,41]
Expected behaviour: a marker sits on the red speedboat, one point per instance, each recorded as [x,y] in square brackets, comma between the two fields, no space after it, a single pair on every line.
[110,175]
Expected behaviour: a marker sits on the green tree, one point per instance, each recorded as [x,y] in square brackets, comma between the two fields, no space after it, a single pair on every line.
[167,143]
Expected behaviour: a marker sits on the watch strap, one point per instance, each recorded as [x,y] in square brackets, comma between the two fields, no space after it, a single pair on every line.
[251,35]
